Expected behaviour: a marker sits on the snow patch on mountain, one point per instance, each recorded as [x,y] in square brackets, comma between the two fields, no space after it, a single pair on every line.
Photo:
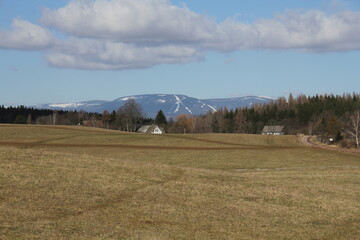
[214,110]
[188,110]
[171,104]
[177,104]
[66,105]
[126,98]
[270,98]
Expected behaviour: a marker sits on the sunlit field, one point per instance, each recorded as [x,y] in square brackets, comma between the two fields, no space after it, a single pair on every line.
[60,182]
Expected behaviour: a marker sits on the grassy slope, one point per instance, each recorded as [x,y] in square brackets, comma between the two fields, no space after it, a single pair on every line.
[60,188]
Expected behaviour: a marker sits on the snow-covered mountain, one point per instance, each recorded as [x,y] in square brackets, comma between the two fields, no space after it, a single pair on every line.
[171,104]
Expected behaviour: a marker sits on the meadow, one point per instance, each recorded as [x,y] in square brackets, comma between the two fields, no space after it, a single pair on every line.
[59,182]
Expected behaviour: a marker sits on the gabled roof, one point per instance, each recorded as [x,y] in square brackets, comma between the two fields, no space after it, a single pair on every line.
[273,129]
[150,129]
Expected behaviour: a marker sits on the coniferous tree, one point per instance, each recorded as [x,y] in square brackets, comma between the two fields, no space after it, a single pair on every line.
[20,119]
[161,119]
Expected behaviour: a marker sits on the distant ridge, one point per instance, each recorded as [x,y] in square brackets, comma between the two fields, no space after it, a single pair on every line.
[171,104]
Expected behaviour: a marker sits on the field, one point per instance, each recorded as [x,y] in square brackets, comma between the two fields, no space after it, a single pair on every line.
[61,182]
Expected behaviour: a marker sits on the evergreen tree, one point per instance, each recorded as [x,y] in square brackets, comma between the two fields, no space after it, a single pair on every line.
[161,119]
[20,119]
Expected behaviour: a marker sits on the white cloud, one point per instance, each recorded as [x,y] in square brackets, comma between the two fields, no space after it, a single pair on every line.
[130,20]
[308,31]
[106,55]
[127,34]
[157,21]
[25,36]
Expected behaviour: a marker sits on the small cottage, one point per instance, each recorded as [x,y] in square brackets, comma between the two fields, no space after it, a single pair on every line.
[273,130]
[153,129]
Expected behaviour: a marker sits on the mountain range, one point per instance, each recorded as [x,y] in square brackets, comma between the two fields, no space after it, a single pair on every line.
[171,104]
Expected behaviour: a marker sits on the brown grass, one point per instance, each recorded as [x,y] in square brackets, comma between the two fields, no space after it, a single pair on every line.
[53,185]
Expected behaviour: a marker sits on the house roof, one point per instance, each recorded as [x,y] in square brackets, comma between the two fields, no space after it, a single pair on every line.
[273,129]
[149,128]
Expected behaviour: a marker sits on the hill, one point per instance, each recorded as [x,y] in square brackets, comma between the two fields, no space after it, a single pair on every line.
[171,104]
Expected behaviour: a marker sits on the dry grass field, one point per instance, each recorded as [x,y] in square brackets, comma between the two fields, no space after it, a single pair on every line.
[85,183]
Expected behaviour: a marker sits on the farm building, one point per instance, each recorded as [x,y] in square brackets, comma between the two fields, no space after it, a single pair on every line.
[153,129]
[273,130]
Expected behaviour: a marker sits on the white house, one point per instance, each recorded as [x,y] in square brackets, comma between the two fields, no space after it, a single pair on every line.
[153,129]
[273,130]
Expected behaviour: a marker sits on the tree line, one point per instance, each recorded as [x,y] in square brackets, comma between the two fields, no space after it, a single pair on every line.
[25,115]
[330,116]
[129,117]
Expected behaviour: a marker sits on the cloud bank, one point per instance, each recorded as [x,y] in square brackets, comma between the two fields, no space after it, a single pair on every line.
[128,34]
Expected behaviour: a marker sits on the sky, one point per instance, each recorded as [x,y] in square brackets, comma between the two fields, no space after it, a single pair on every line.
[76,50]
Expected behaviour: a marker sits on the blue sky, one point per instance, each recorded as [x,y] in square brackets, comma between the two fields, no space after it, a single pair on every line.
[70,51]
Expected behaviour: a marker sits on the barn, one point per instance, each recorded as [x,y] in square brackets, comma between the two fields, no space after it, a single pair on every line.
[273,130]
[153,129]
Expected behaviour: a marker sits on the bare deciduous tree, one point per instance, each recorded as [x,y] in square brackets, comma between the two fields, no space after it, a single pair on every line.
[129,115]
[106,118]
[184,123]
[54,118]
[353,127]
[240,122]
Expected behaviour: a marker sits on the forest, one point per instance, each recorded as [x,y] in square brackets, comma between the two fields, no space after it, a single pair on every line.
[25,115]
[327,116]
